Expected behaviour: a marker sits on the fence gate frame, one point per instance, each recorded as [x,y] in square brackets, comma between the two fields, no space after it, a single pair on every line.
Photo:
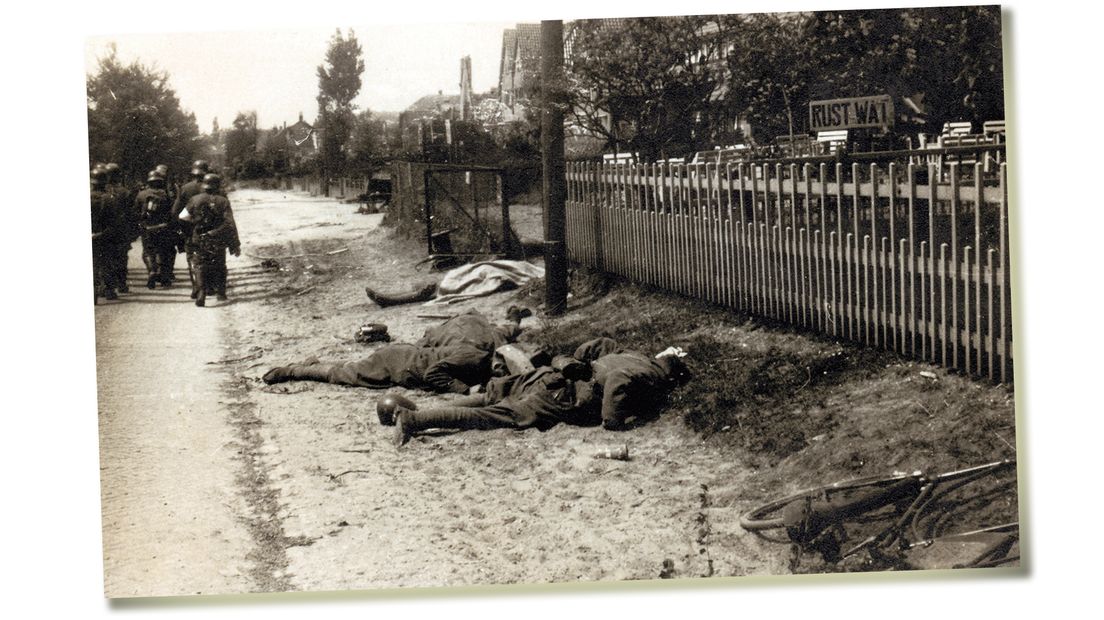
[510,246]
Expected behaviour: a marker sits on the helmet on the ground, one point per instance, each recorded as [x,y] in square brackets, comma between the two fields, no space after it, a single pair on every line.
[388,406]
[211,182]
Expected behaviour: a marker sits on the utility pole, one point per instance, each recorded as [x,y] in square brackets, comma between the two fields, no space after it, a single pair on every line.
[552,164]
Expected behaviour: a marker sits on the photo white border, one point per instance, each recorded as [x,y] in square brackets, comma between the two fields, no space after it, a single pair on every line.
[51,457]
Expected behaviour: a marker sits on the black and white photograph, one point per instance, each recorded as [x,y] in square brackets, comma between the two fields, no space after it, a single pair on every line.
[567,309]
[681,297]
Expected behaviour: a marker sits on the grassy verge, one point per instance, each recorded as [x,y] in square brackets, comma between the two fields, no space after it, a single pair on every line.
[797,408]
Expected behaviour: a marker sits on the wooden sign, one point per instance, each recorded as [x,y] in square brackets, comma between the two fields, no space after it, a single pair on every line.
[853,113]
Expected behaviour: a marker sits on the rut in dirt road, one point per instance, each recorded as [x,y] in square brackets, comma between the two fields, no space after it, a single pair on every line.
[268,557]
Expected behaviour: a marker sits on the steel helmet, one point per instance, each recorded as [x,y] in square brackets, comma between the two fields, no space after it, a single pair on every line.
[98,176]
[113,171]
[200,167]
[388,406]
[162,169]
[155,177]
[211,182]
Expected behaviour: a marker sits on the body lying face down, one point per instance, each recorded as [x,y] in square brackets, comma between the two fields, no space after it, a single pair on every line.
[451,357]
[614,387]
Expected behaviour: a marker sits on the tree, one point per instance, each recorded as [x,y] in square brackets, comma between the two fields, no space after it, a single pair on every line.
[769,73]
[950,54]
[241,144]
[645,83]
[338,84]
[135,120]
[367,145]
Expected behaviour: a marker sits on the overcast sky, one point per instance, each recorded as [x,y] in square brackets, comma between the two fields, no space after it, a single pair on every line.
[218,74]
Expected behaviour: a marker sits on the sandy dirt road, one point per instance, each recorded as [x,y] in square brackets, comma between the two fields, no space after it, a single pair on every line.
[214,482]
[167,456]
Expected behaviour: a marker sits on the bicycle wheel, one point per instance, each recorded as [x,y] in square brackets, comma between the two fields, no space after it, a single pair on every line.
[769,515]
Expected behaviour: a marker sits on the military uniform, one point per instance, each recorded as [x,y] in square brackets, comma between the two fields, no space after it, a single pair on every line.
[623,384]
[190,190]
[630,381]
[472,328]
[540,398]
[104,227]
[125,233]
[213,233]
[159,235]
[454,368]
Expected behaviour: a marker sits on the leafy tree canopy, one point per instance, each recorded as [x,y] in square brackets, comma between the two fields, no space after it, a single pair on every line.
[135,120]
[672,85]
[339,83]
[645,82]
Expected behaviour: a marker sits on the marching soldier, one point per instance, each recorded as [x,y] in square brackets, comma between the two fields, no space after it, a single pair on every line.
[159,235]
[187,192]
[213,233]
[103,229]
[127,225]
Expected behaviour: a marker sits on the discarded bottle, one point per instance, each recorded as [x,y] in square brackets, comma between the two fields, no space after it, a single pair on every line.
[620,453]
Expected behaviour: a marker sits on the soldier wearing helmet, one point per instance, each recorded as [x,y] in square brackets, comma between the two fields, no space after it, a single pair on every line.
[213,233]
[126,230]
[103,229]
[190,190]
[158,230]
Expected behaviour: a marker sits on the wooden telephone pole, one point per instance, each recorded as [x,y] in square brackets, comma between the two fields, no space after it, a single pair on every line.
[552,163]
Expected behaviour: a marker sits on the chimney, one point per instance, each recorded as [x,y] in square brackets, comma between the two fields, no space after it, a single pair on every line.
[300,117]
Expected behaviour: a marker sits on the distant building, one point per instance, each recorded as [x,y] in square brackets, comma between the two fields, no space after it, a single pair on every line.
[290,145]
[520,56]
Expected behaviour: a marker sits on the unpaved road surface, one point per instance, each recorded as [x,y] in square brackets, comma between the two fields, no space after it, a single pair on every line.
[215,483]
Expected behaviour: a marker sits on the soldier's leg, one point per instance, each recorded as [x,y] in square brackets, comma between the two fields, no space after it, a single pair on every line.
[339,373]
[122,256]
[410,423]
[97,276]
[149,258]
[220,274]
[103,258]
[166,254]
[170,263]
[201,272]
[189,256]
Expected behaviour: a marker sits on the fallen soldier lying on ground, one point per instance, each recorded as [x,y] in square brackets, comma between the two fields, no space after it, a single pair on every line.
[475,329]
[631,381]
[451,357]
[464,282]
[455,368]
[547,396]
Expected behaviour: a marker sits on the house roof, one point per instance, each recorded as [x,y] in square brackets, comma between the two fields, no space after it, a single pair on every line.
[434,103]
[509,38]
[528,40]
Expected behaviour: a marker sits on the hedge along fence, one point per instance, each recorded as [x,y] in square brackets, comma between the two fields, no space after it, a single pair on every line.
[908,258]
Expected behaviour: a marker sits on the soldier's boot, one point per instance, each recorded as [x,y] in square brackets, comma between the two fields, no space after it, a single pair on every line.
[121,274]
[409,423]
[299,372]
[192,275]
[201,286]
